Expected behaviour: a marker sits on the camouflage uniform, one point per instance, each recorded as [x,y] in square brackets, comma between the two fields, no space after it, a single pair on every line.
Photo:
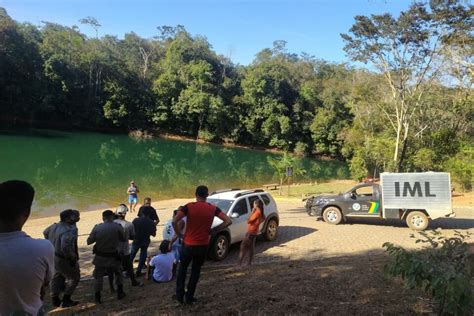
[107,237]
[63,236]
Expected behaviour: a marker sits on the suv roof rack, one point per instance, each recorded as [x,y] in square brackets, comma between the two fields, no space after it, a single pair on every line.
[224,190]
[248,192]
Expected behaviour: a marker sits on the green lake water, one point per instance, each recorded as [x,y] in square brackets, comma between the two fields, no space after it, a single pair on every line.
[90,170]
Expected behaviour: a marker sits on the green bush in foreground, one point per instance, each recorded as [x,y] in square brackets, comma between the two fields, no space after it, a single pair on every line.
[441,268]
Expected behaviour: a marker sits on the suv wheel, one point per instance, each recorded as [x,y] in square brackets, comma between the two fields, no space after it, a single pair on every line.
[417,220]
[220,247]
[332,215]
[271,230]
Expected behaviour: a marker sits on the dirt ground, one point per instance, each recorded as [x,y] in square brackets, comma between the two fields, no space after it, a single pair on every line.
[353,285]
[311,268]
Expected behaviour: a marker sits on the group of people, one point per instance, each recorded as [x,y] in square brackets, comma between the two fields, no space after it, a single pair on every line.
[34,263]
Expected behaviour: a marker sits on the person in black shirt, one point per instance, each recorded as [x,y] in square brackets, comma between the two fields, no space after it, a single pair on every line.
[144,228]
[153,216]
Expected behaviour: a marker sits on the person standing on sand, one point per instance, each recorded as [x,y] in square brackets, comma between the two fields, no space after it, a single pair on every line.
[253,223]
[132,192]
[107,237]
[63,236]
[129,231]
[144,228]
[27,264]
[153,215]
[200,216]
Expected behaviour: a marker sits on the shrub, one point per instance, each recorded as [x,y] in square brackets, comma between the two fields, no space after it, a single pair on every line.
[441,269]
[206,135]
[301,149]
[358,168]
[461,168]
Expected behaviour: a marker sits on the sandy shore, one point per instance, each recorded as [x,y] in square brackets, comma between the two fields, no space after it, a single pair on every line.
[34,228]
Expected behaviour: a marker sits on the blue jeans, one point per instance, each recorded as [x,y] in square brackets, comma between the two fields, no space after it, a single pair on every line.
[176,248]
[143,254]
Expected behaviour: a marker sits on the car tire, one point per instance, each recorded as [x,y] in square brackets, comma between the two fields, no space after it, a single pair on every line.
[332,215]
[417,220]
[271,230]
[220,247]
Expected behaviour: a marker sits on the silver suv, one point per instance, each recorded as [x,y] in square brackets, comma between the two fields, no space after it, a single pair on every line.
[237,204]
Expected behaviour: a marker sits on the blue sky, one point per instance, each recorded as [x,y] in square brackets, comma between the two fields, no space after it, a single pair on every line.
[235,28]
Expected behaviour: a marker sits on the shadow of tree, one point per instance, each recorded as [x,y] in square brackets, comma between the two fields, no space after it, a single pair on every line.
[328,286]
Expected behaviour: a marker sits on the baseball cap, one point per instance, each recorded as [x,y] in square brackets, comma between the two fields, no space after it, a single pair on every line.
[122,209]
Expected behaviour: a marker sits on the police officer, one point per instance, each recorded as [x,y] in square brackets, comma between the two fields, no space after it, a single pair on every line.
[107,237]
[63,236]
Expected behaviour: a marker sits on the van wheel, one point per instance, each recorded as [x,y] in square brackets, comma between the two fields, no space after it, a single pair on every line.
[417,220]
[271,230]
[332,215]
[220,248]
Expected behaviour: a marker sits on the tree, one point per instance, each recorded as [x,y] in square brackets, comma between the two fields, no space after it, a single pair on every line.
[403,50]
[280,166]
[93,22]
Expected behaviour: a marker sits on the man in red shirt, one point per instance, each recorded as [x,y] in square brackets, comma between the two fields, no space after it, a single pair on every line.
[200,216]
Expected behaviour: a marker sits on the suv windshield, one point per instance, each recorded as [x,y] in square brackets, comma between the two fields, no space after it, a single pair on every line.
[224,205]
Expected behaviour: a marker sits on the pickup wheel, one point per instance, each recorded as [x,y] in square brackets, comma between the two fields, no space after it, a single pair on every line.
[332,215]
[417,220]
[271,230]
[220,247]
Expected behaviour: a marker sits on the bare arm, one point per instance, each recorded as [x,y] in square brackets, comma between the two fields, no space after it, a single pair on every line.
[178,229]
[226,222]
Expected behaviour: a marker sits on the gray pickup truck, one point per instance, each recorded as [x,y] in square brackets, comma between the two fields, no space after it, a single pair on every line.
[413,197]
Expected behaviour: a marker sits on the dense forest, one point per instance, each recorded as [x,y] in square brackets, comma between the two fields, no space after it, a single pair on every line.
[410,109]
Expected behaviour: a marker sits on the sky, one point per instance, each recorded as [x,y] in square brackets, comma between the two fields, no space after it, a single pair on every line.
[238,29]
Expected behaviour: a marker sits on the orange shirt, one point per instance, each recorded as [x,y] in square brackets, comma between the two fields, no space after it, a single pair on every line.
[254,221]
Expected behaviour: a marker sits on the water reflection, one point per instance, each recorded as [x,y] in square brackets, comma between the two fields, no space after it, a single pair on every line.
[85,170]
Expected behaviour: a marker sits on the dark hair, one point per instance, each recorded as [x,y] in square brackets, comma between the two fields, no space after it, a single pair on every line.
[147,200]
[202,191]
[165,246]
[17,197]
[108,214]
[66,214]
[260,206]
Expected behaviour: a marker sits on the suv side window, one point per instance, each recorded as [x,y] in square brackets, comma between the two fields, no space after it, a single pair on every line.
[252,199]
[241,207]
[265,199]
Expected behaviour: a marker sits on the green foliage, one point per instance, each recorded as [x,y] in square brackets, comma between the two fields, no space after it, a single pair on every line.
[461,167]
[301,149]
[424,159]
[441,269]
[281,164]
[358,168]
[55,76]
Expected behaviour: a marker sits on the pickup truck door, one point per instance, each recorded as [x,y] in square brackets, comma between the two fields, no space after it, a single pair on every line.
[365,201]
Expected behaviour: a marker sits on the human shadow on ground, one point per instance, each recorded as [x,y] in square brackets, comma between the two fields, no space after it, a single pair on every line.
[285,235]
[327,286]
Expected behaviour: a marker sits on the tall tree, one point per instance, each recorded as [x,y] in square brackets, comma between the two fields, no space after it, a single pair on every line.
[404,50]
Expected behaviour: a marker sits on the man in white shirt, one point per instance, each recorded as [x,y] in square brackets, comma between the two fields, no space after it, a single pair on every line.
[27,264]
[162,264]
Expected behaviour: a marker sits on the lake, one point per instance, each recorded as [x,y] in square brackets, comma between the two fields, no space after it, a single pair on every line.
[88,171]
